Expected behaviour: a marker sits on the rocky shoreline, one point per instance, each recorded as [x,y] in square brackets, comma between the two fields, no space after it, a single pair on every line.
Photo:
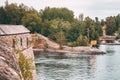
[44,44]
[75,50]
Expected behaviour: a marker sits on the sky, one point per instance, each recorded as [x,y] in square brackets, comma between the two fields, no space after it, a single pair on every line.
[91,8]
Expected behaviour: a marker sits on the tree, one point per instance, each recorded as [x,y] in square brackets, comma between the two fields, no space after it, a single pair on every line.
[13,14]
[98,27]
[2,16]
[110,25]
[32,21]
[82,41]
[89,27]
[46,28]
[117,22]
[50,28]
[54,13]
[60,38]
[74,31]
[118,34]
[81,17]
[102,22]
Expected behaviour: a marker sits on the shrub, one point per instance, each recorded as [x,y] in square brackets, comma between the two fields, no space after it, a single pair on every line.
[26,66]
[82,41]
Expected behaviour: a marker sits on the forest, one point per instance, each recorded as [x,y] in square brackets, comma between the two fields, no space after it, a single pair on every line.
[59,24]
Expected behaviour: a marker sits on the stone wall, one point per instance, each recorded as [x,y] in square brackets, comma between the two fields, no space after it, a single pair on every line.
[22,42]
[9,68]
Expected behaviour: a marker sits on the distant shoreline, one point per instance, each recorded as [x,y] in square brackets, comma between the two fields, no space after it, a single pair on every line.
[79,50]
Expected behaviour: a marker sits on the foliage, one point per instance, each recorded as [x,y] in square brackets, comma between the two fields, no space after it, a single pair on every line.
[60,38]
[26,66]
[110,25]
[32,21]
[54,13]
[54,22]
[2,16]
[46,28]
[82,41]
[12,14]
[118,33]
[74,31]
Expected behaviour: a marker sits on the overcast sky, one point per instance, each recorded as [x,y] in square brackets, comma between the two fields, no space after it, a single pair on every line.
[92,8]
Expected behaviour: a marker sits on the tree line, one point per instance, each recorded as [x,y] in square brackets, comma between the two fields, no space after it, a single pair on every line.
[59,24]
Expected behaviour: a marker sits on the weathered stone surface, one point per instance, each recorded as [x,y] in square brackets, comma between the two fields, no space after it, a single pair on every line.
[52,47]
[9,68]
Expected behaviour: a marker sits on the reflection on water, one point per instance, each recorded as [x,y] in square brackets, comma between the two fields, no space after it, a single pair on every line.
[80,67]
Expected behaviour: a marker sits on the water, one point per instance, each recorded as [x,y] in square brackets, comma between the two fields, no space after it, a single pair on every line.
[80,67]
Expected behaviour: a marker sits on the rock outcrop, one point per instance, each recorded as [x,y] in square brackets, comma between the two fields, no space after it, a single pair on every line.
[53,47]
[9,67]
[40,42]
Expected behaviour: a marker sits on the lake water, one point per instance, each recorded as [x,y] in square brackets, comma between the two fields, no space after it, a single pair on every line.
[80,67]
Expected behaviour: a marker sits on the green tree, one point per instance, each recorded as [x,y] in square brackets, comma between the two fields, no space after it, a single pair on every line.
[50,28]
[60,38]
[98,27]
[32,21]
[2,16]
[82,41]
[54,13]
[110,25]
[102,22]
[117,21]
[93,29]
[118,34]
[74,31]
[13,13]
[46,28]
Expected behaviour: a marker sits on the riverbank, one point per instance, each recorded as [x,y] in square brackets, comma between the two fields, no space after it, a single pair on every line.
[80,67]
[44,44]
[72,50]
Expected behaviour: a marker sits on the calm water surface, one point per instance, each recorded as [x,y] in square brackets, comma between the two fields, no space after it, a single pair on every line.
[80,67]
